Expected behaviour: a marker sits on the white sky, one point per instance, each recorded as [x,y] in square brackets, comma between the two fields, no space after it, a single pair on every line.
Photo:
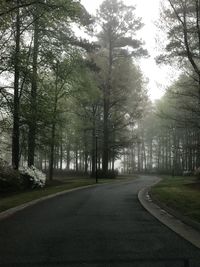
[159,76]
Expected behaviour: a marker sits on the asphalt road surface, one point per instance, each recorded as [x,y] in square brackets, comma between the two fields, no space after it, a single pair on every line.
[103,226]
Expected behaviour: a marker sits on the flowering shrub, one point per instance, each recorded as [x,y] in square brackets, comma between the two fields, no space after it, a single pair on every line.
[24,178]
[32,177]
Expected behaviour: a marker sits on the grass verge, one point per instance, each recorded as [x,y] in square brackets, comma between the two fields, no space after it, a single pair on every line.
[181,194]
[17,199]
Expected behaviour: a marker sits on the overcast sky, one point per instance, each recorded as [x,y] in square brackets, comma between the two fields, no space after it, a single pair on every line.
[159,76]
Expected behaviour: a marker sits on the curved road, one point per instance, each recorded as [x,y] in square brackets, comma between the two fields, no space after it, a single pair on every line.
[103,226]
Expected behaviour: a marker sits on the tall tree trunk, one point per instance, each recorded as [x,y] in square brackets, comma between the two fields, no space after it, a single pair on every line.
[158,155]
[52,148]
[93,151]
[45,161]
[40,160]
[132,159]
[53,130]
[138,157]
[151,155]
[15,133]
[144,155]
[76,160]
[86,162]
[61,155]
[85,153]
[163,153]
[124,160]
[33,120]
[113,163]
[68,157]
[105,134]
[107,90]
[198,150]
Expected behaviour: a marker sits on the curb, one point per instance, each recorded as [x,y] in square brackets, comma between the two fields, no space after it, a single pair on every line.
[177,214]
[7,213]
[172,221]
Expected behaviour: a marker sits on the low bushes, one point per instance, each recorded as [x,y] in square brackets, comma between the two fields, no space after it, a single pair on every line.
[197,173]
[187,173]
[9,178]
[69,173]
[110,174]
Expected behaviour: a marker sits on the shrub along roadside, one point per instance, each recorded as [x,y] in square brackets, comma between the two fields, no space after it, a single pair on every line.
[181,194]
[22,179]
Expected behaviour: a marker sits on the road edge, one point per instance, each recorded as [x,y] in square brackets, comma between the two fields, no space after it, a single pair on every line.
[172,221]
[7,213]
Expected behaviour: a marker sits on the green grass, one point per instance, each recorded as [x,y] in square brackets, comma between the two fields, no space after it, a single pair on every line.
[181,194]
[17,199]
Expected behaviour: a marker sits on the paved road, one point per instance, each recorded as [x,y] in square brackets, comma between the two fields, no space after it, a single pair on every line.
[103,226]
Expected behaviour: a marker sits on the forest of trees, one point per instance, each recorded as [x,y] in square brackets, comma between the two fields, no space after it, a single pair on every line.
[169,132]
[68,103]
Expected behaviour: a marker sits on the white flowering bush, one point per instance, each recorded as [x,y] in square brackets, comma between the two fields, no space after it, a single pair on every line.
[32,177]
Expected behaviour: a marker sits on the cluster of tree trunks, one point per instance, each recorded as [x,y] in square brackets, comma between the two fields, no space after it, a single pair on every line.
[174,152]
